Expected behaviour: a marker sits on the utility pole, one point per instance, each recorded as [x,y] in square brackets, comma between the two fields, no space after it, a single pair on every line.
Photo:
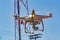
[18,11]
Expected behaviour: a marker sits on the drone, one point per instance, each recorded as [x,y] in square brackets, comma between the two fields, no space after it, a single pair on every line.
[33,20]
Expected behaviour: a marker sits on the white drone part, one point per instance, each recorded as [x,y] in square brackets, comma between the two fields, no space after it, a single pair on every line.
[29,16]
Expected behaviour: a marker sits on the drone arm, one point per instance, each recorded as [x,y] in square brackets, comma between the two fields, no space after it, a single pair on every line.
[47,17]
[18,18]
[50,15]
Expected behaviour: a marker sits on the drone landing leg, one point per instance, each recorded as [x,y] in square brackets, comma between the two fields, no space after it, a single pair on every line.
[42,26]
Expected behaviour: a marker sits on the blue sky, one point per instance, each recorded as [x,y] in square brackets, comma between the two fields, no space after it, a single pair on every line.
[52,25]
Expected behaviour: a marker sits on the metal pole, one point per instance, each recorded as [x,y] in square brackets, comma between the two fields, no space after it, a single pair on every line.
[27,7]
[18,9]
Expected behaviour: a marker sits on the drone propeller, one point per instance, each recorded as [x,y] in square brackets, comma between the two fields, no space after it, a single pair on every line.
[45,12]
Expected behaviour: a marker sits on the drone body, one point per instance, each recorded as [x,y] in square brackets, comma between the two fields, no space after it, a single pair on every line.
[34,20]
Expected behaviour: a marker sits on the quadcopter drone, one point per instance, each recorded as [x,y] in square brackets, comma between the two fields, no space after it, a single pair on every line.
[33,20]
